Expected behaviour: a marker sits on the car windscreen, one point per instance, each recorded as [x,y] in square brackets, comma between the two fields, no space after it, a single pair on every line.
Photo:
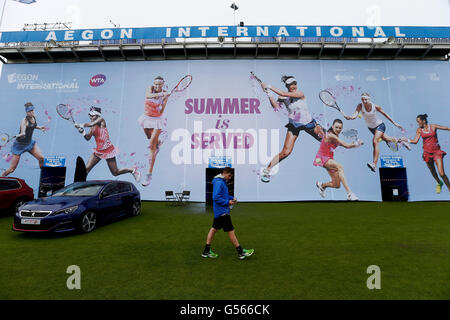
[78,190]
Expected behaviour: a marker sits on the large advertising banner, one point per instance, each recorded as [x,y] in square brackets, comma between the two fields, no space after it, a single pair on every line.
[163,122]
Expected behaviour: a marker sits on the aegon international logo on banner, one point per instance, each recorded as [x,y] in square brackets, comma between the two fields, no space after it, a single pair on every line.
[97,80]
[227,31]
[30,81]
[22,77]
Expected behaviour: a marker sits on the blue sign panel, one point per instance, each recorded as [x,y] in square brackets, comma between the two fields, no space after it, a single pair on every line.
[390,161]
[226,31]
[219,162]
[54,161]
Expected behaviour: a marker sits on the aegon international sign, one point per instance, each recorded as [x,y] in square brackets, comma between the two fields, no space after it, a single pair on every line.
[227,31]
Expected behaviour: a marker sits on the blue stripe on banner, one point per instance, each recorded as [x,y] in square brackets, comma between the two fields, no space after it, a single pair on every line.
[227,31]
[26,1]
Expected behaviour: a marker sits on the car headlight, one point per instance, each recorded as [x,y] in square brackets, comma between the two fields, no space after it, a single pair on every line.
[65,211]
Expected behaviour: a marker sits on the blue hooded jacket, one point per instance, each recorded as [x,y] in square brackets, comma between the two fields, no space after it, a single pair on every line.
[221,197]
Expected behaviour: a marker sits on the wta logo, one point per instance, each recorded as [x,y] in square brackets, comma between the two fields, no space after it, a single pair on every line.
[97,80]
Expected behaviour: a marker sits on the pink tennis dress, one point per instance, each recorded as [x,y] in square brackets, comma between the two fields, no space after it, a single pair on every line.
[431,149]
[325,153]
[152,116]
[105,149]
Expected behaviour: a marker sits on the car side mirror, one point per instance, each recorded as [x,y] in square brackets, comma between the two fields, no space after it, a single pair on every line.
[49,193]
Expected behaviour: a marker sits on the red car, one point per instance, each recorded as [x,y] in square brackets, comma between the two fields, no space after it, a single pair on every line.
[14,192]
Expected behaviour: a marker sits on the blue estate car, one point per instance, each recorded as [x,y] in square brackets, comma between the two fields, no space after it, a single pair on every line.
[79,206]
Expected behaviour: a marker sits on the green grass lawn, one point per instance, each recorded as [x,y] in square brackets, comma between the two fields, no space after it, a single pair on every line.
[302,251]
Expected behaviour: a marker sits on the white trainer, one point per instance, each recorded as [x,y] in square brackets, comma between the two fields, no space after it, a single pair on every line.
[371,166]
[136,174]
[147,179]
[265,176]
[352,197]
[321,189]
[406,144]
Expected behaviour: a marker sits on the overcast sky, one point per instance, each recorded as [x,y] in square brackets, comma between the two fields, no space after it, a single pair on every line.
[150,13]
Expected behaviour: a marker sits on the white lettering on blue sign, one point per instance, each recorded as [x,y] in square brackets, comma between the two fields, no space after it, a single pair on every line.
[282,32]
[357,31]
[318,31]
[336,32]
[68,36]
[203,30]
[51,36]
[184,32]
[74,35]
[223,31]
[262,31]
[107,34]
[379,32]
[219,162]
[242,32]
[227,31]
[54,161]
[126,33]
[87,35]
[389,161]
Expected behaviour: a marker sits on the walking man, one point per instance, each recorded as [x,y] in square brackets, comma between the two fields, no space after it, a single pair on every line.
[222,219]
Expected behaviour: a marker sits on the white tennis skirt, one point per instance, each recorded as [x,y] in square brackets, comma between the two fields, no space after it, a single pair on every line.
[147,122]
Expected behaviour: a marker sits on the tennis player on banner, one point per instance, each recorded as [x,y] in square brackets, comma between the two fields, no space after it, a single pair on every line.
[432,152]
[153,122]
[104,148]
[369,111]
[300,119]
[24,142]
[325,159]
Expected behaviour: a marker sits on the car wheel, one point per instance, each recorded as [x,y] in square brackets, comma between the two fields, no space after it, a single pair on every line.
[88,222]
[136,208]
